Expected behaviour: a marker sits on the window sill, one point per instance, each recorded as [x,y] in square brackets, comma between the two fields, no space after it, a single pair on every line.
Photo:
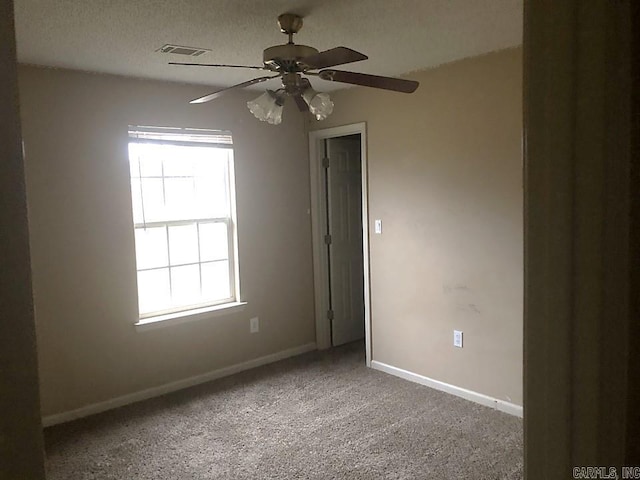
[169,319]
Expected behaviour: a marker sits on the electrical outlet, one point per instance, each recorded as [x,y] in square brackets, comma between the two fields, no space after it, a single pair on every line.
[254,325]
[457,338]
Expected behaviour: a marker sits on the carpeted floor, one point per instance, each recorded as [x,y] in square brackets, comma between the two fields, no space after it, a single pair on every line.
[322,415]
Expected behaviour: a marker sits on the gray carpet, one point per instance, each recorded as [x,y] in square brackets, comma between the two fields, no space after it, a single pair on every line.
[322,415]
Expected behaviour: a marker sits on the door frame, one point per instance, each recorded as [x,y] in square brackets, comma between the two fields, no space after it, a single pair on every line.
[318,223]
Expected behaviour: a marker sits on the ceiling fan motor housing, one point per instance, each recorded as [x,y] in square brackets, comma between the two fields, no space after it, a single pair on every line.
[294,83]
[286,57]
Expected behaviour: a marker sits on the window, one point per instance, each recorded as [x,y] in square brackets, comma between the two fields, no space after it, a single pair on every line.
[183,197]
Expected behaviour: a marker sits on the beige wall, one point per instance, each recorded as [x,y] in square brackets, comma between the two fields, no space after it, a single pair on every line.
[75,133]
[445,177]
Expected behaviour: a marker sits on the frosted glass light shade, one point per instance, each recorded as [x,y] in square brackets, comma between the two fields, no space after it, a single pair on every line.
[320,104]
[267,108]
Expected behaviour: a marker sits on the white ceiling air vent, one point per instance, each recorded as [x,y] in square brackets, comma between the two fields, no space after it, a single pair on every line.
[182,50]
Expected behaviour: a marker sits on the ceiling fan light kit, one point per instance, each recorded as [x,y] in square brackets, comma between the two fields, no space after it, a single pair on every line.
[320,104]
[290,62]
[267,107]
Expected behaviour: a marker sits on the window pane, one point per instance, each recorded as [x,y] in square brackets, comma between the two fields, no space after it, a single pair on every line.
[181,201]
[214,242]
[151,247]
[153,199]
[183,244]
[153,290]
[134,165]
[212,197]
[185,283]
[150,162]
[152,157]
[215,281]
[179,163]
[136,200]
[211,162]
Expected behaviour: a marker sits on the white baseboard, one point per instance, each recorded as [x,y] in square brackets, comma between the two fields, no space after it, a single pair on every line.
[506,407]
[94,408]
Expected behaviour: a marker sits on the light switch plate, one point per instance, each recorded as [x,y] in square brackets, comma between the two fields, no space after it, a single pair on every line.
[378,226]
[254,325]
[457,338]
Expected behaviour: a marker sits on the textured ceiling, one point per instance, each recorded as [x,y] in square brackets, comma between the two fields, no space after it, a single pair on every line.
[121,36]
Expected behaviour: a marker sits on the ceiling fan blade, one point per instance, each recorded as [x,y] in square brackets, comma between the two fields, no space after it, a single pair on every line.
[375,81]
[333,57]
[214,95]
[302,105]
[216,65]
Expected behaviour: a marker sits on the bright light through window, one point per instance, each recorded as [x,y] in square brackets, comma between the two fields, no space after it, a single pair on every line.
[182,199]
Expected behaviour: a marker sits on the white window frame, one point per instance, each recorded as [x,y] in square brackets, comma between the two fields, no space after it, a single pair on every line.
[207,139]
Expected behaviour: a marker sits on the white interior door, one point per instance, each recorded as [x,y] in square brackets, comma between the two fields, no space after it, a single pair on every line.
[344,196]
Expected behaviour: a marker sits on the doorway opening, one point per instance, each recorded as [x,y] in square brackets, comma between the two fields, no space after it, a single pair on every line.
[339,213]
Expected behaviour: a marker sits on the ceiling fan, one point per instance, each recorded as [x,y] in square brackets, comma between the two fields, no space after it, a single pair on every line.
[292,63]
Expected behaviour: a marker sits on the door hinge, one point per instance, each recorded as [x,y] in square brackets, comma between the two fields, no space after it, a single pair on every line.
[325,162]
[330,314]
[327,239]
